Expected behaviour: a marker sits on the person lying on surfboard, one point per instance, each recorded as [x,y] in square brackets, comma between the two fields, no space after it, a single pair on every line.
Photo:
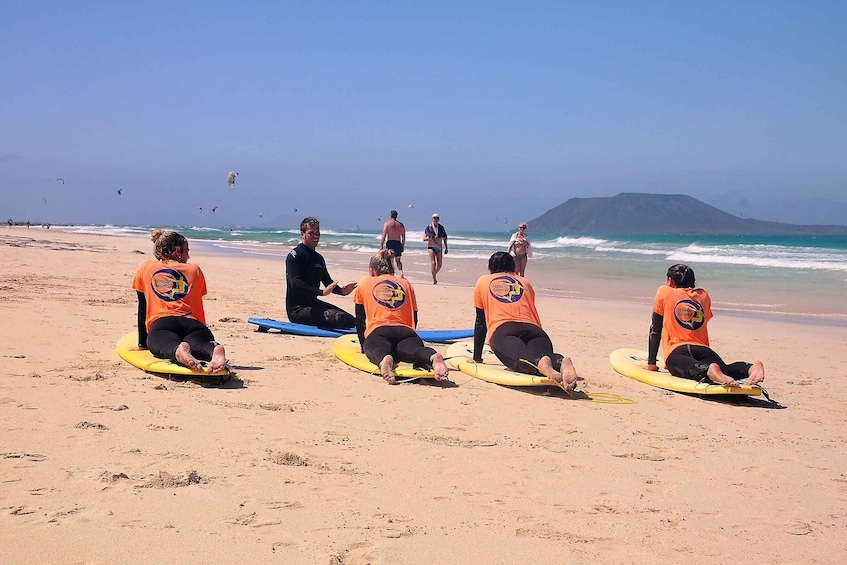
[171,320]
[505,310]
[305,270]
[386,317]
[681,314]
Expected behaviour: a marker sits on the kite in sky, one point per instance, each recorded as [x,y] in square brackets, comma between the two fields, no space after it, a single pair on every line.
[231,179]
[214,208]
[411,205]
[63,180]
[200,208]
[120,191]
[45,200]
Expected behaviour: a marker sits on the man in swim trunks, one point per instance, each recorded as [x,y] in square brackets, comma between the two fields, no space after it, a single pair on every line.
[435,237]
[394,238]
[305,270]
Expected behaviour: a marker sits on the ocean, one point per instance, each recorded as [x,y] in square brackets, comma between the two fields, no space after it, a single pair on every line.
[794,276]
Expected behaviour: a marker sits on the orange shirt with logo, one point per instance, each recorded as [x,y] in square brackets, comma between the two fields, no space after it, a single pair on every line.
[388,301]
[685,313]
[505,297]
[171,288]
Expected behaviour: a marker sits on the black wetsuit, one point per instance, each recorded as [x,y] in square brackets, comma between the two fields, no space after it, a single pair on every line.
[305,270]
[518,345]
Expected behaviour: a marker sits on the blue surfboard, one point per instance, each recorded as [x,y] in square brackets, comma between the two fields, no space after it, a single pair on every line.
[435,336]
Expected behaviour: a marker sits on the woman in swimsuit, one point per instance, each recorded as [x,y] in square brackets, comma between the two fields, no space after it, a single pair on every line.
[520,247]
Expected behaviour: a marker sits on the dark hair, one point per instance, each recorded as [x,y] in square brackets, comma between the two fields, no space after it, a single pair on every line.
[382,262]
[393,214]
[681,275]
[309,222]
[501,262]
[166,244]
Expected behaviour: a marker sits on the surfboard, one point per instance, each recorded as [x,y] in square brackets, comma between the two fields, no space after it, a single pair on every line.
[434,336]
[347,349]
[630,363]
[459,356]
[145,360]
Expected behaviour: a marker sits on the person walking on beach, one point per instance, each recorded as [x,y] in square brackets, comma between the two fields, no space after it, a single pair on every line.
[435,237]
[305,270]
[394,238]
[681,314]
[386,317]
[505,310]
[171,319]
[520,247]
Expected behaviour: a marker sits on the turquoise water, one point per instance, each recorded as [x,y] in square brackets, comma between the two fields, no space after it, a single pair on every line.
[753,274]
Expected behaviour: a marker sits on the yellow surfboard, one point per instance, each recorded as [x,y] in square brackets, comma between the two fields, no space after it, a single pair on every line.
[630,363]
[145,360]
[459,356]
[348,350]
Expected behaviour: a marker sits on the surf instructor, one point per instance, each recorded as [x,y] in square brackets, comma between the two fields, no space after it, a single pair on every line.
[305,271]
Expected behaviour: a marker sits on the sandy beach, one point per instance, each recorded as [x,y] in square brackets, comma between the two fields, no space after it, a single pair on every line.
[302,459]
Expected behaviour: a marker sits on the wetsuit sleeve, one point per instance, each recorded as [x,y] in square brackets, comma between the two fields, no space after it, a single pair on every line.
[142,320]
[360,325]
[479,330]
[655,337]
[292,270]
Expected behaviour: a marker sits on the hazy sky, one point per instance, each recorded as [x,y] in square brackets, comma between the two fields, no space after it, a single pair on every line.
[478,110]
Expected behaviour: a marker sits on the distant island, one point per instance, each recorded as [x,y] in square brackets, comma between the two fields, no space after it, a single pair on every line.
[633,213]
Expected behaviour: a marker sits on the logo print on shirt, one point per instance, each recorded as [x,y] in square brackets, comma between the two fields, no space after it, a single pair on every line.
[506,289]
[170,285]
[689,314]
[389,294]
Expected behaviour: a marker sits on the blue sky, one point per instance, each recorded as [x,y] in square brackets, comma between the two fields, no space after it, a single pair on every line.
[477,110]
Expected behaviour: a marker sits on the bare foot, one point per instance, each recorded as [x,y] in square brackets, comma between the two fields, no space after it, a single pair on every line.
[386,369]
[718,376]
[756,373]
[545,366]
[568,374]
[440,367]
[218,361]
[184,356]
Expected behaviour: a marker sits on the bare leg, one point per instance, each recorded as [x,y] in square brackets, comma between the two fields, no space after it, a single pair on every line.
[400,267]
[568,374]
[718,376]
[756,373]
[218,361]
[386,369]
[433,266]
[440,367]
[184,356]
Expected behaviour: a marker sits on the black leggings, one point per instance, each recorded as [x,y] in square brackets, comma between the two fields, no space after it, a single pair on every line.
[401,342]
[167,333]
[323,315]
[517,344]
[692,362]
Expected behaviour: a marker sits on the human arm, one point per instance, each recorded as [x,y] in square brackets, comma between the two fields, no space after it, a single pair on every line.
[142,320]
[479,330]
[654,338]
[361,321]
[444,238]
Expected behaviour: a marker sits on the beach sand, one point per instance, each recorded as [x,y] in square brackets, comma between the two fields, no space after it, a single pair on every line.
[301,459]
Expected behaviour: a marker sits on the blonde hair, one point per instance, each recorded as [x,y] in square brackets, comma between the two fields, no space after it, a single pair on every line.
[166,244]
[382,262]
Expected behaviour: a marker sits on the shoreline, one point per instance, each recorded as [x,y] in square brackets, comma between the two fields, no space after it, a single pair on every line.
[353,265]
